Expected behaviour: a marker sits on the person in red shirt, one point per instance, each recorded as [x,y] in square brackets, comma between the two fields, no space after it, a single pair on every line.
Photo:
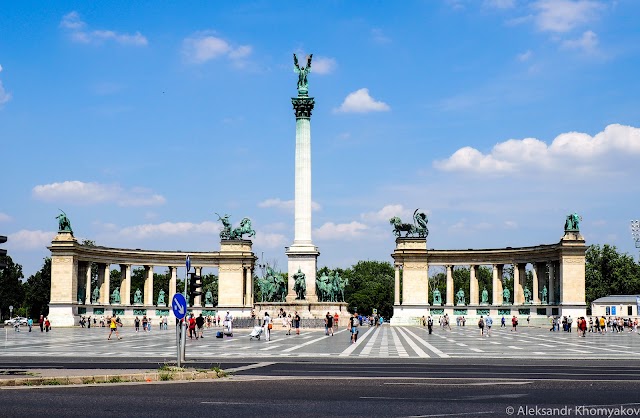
[514,323]
[192,327]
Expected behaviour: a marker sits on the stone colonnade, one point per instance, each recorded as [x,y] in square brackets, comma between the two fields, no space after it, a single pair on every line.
[71,271]
[558,267]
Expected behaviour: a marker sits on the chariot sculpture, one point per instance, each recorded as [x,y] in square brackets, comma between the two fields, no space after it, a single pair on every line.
[228,233]
[418,228]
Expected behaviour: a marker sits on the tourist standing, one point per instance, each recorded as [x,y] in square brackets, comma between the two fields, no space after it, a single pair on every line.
[200,325]
[288,324]
[136,324]
[145,321]
[192,327]
[30,324]
[514,323]
[329,320]
[296,323]
[41,323]
[335,321]
[229,320]
[266,323]
[430,324]
[569,323]
[354,323]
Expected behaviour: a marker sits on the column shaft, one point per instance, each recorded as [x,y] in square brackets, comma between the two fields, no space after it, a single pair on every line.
[148,285]
[449,285]
[473,285]
[88,290]
[497,286]
[517,290]
[302,231]
[105,296]
[396,295]
[173,280]
[125,290]
[535,291]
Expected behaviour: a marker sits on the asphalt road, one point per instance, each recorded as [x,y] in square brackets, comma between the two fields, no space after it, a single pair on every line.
[353,389]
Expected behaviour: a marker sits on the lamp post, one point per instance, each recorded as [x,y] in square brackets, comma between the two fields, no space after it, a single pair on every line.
[635,232]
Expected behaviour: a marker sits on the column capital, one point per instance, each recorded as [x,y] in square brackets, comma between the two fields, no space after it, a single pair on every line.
[303,106]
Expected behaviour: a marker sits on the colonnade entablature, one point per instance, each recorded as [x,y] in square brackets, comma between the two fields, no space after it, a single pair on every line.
[557,288]
[72,293]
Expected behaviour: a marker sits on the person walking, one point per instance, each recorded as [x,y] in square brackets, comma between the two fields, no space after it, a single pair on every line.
[266,324]
[354,322]
[145,321]
[489,323]
[335,321]
[503,323]
[514,323]
[288,324]
[192,327]
[430,324]
[113,327]
[41,323]
[481,325]
[229,322]
[47,324]
[30,324]
[136,324]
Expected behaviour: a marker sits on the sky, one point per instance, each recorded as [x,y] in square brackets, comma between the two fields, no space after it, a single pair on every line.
[142,120]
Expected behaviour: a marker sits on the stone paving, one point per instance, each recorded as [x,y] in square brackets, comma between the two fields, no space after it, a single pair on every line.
[381,342]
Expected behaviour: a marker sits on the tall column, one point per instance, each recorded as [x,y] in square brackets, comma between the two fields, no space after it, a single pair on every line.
[173,282]
[303,255]
[125,290]
[89,291]
[552,283]
[517,289]
[197,301]
[396,297]
[449,285]
[104,275]
[148,285]
[522,277]
[497,285]
[248,287]
[473,285]
[535,291]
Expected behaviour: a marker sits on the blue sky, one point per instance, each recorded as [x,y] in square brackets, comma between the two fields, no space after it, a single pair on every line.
[142,119]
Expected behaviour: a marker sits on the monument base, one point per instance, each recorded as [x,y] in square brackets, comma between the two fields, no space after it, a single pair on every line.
[311,313]
[409,314]
[63,315]
[304,258]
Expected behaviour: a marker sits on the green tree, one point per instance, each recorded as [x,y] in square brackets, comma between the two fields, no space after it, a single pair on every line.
[37,291]
[11,291]
[610,273]
[370,286]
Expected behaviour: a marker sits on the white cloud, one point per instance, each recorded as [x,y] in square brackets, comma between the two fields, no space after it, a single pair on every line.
[588,42]
[29,240]
[510,224]
[500,4]
[169,229]
[386,213]
[525,56]
[80,33]
[4,96]
[79,192]
[269,240]
[565,15]
[287,205]
[4,217]
[580,150]
[204,46]
[331,231]
[361,102]
[379,36]
[323,65]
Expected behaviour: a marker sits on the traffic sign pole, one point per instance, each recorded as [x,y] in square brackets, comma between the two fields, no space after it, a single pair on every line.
[183,337]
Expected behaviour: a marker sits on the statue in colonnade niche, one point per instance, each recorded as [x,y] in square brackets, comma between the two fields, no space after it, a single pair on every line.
[95,295]
[506,296]
[544,293]
[208,299]
[137,297]
[64,225]
[300,285]
[115,296]
[460,297]
[485,296]
[437,297]
[527,295]
[161,301]
[81,295]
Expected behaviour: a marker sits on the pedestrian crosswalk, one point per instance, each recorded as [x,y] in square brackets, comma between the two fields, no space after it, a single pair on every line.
[401,342]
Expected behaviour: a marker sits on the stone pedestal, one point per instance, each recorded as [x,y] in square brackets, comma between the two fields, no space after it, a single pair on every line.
[305,259]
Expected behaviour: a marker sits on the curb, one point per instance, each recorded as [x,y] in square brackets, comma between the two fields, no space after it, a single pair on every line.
[115,378]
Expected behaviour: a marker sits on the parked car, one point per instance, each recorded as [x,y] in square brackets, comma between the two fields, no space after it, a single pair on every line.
[17,320]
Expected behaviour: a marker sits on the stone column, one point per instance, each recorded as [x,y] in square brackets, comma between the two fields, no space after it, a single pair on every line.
[522,278]
[87,299]
[552,283]
[148,285]
[396,297]
[197,301]
[473,285]
[125,289]
[449,285]
[517,288]
[497,285]
[104,271]
[535,291]
[173,282]
[248,287]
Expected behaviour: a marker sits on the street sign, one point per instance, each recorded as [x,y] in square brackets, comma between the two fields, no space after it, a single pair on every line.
[188,264]
[613,310]
[179,305]
[375,311]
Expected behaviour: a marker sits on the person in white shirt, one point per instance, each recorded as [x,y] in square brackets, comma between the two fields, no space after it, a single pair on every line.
[229,320]
[266,323]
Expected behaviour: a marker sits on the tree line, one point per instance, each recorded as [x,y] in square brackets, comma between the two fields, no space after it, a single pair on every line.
[371,283]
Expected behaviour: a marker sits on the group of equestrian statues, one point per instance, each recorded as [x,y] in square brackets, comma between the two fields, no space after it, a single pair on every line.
[273,286]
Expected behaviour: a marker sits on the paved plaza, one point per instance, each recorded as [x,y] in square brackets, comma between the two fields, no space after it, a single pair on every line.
[382,342]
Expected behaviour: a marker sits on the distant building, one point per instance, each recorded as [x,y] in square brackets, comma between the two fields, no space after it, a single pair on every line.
[616,305]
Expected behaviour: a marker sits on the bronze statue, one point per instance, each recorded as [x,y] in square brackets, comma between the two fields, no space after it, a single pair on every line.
[303,83]
[300,285]
[419,226]
[64,225]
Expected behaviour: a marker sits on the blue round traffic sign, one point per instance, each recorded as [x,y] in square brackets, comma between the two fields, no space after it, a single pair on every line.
[179,305]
